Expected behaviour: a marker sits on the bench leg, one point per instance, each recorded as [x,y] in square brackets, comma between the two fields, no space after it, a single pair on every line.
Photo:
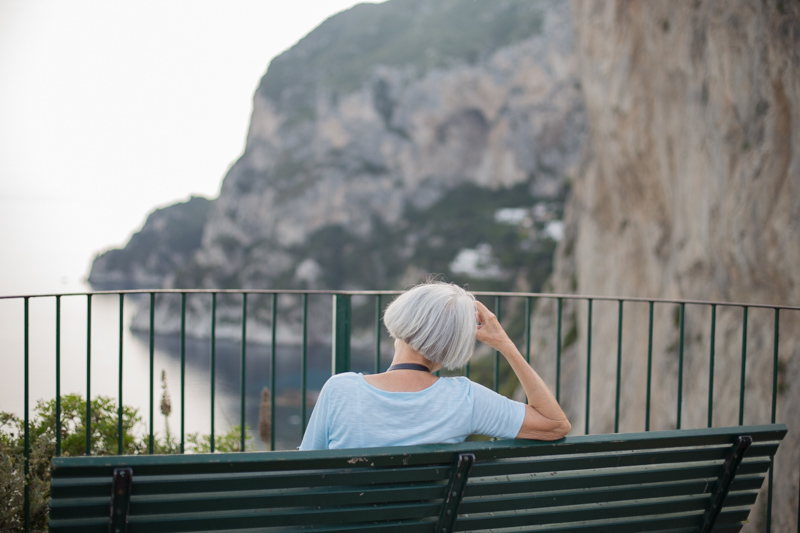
[455,491]
[723,484]
[120,500]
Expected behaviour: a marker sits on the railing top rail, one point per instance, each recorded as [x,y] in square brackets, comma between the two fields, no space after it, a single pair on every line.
[394,292]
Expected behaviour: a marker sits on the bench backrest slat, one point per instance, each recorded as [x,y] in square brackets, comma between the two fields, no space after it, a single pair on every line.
[657,481]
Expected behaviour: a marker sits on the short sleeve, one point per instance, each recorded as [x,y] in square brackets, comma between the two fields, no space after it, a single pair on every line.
[316,436]
[494,415]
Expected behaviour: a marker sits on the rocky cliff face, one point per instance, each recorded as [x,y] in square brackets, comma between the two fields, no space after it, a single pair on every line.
[168,240]
[689,189]
[352,145]
[395,140]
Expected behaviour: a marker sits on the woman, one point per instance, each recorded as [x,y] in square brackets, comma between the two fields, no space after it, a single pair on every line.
[434,325]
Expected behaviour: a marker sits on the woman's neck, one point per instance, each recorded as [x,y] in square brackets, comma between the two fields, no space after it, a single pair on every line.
[405,380]
[403,353]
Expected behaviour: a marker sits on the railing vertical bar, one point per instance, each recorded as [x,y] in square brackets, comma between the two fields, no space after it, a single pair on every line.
[528,329]
[304,370]
[27,443]
[244,371]
[744,363]
[342,316]
[527,334]
[680,362]
[619,367]
[151,438]
[712,355]
[272,380]
[496,352]
[558,352]
[120,409]
[775,364]
[183,371]
[213,363]
[772,418]
[88,374]
[58,376]
[377,333]
[588,364]
[649,368]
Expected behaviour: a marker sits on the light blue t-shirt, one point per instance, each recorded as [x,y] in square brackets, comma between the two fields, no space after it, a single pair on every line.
[351,413]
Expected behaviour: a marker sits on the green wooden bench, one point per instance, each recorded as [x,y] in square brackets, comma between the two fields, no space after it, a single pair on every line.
[687,480]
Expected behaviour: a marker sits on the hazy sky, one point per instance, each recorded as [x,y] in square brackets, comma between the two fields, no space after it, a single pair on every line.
[111,108]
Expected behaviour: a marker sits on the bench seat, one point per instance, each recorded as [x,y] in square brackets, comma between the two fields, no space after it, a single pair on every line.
[685,480]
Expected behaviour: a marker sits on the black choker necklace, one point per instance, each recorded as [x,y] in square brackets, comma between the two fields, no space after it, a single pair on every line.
[408,366]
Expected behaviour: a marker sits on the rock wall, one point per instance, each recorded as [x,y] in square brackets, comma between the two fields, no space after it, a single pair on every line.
[402,136]
[689,188]
[375,178]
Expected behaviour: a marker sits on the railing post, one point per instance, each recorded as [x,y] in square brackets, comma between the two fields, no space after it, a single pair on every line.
[711,366]
[304,367]
[120,408]
[496,383]
[213,363]
[649,368]
[588,365]
[378,334]
[273,366]
[151,438]
[26,442]
[619,367]
[243,368]
[88,374]
[744,367]
[183,371]
[680,362]
[341,333]
[558,352]
[58,376]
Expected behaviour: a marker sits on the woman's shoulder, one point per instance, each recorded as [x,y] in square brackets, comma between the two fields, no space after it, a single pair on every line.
[342,379]
[456,382]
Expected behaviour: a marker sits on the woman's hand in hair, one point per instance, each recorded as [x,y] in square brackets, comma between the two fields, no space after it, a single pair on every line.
[490,332]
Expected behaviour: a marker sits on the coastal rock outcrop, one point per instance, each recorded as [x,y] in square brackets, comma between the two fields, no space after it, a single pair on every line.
[390,142]
[168,240]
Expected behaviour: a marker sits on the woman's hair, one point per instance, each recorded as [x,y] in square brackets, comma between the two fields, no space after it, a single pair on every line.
[437,319]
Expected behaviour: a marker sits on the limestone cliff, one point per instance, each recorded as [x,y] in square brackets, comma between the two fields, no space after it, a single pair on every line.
[689,189]
[349,143]
[395,140]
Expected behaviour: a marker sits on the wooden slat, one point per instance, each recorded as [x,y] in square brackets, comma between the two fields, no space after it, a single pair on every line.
[732,515]
[220,520]
[94,525]
[599,512]
[675,521]
[187,482]
[278,499]
[544,499]
[615,459]
[80,508]
[580,480]
[194,502]
[619,519]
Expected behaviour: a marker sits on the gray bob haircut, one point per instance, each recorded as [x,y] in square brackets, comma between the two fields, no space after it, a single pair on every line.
[437,319]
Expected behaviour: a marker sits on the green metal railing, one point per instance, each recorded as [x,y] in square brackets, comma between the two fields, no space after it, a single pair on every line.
[341,337]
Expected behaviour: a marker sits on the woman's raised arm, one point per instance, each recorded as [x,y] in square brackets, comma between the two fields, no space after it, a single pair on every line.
[544,419]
